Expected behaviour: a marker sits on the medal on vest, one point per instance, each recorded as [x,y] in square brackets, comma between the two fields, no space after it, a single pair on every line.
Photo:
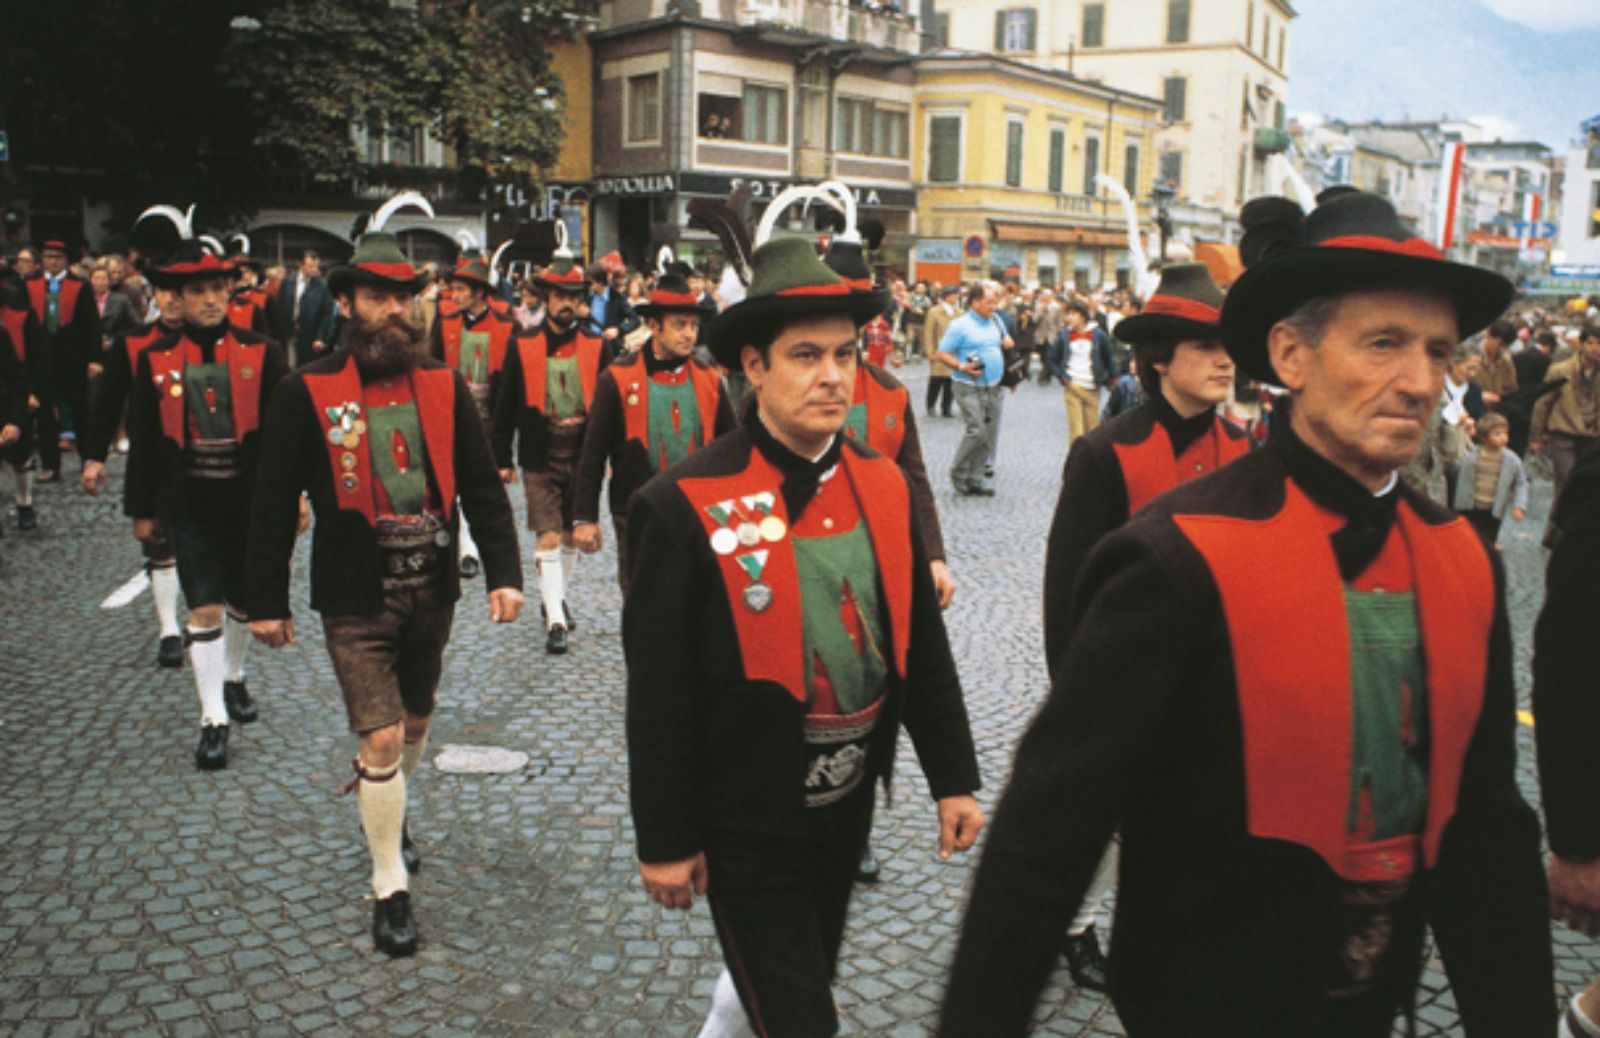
[769,528]
[758,596]
[724,541]
[633,395]
[246,372]
[346,426]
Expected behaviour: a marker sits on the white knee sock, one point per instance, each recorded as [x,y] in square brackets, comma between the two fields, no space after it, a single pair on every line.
[25,487]
[569,562]
[164,592]
[727,1019]
[381,797]
[208,658]
[411,753]
[236,639]
[552,587]
[467,545]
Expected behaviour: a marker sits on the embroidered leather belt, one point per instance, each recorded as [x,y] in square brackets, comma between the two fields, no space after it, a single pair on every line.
[480,398]
[1380,875]
[566,436]
[212,459]
[413,548]
[836,753]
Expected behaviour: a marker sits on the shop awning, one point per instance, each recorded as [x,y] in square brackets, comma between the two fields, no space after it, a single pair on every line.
[1056,234]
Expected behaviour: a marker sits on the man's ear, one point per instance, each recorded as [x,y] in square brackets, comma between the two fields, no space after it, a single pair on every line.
[346,310]
[755,369]
[1288,353]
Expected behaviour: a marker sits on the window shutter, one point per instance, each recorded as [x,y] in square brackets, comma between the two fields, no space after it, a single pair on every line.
[944,138]
[1000,30]
[1058,154]
[1030,19]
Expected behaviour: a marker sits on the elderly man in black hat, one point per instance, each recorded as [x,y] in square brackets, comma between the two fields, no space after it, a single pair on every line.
[1289,684]
[389,445]
[196,409]
[550,380]
[652,408]
[781,625]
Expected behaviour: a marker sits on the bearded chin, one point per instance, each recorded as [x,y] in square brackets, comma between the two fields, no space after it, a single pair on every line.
[387,348]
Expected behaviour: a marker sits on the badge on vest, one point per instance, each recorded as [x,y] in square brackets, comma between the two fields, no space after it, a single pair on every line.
[633,394]
[758,596]
[346,427]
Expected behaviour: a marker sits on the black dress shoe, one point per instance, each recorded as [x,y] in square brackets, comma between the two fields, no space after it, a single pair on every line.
[27,518]
[240,706]
[867,870]
[555,640]
[408,851]
[1084,961]
[566,612]
[470,566]
[212,752]
[394,931]
[169,653]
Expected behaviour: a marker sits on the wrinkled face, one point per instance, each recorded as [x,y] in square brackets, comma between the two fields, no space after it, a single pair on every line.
[1199,375]
[562,306]
[1363,397]
[205,301]
[170,304]
[55,261]
[674,335]
[804,385]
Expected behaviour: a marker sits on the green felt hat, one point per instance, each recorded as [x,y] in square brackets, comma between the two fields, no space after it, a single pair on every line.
[378,260]
[788,282]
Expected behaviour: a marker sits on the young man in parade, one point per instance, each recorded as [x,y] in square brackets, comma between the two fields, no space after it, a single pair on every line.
[65,309]
[550,380]
[1117,468]
[652,409]
[781,625]
[1289,685]
[15,442]
[105,418]
[474,339]
[247,306]
[195,412]
[386,441]
[28,344]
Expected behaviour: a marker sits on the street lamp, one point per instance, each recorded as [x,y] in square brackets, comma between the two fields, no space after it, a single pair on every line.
[1163,194]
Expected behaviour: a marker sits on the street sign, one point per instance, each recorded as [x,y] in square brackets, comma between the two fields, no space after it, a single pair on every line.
[974,246]
[5,147]
[1575,270]
[1533,229]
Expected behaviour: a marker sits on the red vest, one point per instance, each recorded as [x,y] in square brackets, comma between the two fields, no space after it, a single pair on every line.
[886,414]
[244,382]
[434,391]
[66,303]
[15,323]
[242,310]
[499,336]
[1149,469]
[534,355]
[135,344]
[634,392]
[1283,600]
[770,645]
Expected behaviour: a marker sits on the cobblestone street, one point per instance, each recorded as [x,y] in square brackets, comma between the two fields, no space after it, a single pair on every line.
[141,896]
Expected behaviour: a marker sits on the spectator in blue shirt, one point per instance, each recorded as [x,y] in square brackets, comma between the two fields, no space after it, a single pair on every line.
[610,316]
[974,348]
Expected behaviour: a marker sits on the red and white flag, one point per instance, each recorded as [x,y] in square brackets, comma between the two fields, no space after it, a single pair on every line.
[1448,201]
[1532,214]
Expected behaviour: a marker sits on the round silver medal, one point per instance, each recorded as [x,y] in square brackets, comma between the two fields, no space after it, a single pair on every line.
[442,538]
[749,534]
[758,597]
[724,541]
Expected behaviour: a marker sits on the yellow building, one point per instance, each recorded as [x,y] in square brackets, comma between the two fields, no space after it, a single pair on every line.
[1007,155]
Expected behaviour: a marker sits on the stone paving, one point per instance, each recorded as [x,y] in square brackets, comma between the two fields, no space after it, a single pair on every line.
[140,896]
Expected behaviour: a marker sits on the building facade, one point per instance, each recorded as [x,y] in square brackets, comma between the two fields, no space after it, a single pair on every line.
[699,99]
[1007,157]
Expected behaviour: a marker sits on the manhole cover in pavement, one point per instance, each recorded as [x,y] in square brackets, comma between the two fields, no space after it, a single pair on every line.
[479,760]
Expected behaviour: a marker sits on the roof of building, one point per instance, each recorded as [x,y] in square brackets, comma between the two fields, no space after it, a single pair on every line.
[1059,78]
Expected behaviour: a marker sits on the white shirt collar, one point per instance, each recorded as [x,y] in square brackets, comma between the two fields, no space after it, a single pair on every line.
[1388,485]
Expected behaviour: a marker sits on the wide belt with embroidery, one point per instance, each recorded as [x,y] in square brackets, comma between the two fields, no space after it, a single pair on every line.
[212,459]
[414,550]
[836,753]
[1384,870]
[480,399]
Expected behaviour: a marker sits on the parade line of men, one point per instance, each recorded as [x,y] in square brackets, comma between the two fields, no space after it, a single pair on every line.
[1281,704]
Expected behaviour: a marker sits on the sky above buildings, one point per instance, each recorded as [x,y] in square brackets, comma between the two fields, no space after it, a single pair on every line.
[1530,65]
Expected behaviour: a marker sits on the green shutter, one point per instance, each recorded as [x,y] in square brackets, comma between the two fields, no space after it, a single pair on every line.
[1177,21]
[1030,37]
[1091,163]
[944,142]
[1094,23]
[1058,154]
[1000,30]
[1013,154]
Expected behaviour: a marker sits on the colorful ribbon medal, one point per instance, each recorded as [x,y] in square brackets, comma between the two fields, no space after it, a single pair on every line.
[724,541]
[770,529]
[758,596]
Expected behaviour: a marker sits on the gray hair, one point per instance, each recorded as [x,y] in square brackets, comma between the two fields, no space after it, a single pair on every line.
[1464,352]
[1310,319]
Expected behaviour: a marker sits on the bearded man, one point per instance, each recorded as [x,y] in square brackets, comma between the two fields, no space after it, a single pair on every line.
[386,441]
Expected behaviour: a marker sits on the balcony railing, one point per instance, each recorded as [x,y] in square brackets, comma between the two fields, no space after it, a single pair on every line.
[834,19]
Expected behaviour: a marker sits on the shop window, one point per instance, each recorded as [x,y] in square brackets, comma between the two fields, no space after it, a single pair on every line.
[1094,25]
[644,108]
[944,149]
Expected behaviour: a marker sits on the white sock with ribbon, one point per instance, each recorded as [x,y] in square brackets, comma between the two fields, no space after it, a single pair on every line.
[208,658]
[381,798]
[164,593]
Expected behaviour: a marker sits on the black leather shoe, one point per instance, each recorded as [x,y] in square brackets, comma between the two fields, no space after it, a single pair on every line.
[867,870]
[27,518]
[169,653]
[240,706]
[566,611]
[212,752]
[555,640]
[408,851]
[394,931]
[470,566]
[1084,961]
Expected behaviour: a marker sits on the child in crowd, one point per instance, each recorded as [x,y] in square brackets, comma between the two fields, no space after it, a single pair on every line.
[1490,479]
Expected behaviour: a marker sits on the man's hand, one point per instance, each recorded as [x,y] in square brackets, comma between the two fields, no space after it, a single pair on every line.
[504,605]
[942,583]
[305,517]
[146,530]
[33,403]
[1007,341]
[95,369]
[675,883]
[960,820]
[1490,399]
[507,475]
[609,334]
[1575,893]
[274,634]
[586,537]
[94,472]
[318,346]
[1519,514]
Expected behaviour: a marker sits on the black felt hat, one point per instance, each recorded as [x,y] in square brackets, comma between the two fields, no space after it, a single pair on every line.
[670,294]
[788,283]
[1186,305]
[1352,242]
[189,260]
